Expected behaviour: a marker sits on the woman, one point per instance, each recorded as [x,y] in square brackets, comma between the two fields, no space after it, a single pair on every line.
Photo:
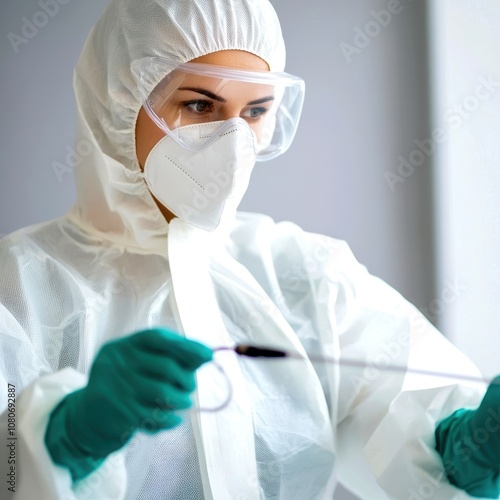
[89,303]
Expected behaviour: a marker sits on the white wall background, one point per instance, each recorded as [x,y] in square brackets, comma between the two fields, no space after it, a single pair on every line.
[466,80]
[362,118]
[358,118]
[38,110]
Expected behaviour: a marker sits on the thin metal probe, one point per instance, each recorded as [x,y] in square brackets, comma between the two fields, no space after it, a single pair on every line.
[264,352]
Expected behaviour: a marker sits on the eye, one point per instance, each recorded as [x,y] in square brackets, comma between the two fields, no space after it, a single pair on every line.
[255,113]
[198,107]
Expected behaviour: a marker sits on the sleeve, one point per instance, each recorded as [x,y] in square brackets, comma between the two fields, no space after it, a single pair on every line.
[25,409]
[387,413]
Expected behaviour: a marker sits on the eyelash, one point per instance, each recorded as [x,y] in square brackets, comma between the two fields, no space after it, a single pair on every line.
[209,104]
[209,108]
[262,111]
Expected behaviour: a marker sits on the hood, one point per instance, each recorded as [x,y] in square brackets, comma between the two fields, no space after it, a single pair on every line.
[113,201]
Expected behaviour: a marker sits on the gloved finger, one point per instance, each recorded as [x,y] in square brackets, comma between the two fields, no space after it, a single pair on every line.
[190,353]
[161,368]
[152,394]
[163,420]
[490,401]
[157,418]
[484,422]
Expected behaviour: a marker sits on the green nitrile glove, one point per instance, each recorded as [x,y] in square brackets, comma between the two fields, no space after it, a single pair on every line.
[469,443]
[137,380]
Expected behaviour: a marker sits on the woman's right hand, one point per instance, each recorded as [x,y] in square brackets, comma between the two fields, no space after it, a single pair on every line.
[138,381]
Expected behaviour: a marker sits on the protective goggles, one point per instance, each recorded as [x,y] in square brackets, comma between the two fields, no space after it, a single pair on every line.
[194,93]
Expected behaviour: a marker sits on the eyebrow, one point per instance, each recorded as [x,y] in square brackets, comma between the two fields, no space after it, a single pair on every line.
[261,101]
[218,98]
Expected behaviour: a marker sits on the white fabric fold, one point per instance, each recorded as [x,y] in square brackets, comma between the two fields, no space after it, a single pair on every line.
[37,476]
[114,266]
[226,436]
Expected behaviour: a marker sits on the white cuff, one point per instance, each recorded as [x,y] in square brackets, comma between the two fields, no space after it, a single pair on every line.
[37,475]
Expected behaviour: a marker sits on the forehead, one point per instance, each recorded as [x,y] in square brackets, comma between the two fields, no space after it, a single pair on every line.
[236,59]
[180,81]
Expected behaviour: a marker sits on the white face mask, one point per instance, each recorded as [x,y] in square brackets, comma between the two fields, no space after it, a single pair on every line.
[206,186]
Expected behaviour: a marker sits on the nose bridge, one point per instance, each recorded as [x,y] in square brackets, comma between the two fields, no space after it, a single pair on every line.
[230,110]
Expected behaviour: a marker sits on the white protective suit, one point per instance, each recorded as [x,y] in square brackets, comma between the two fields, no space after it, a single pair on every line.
[113,266]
